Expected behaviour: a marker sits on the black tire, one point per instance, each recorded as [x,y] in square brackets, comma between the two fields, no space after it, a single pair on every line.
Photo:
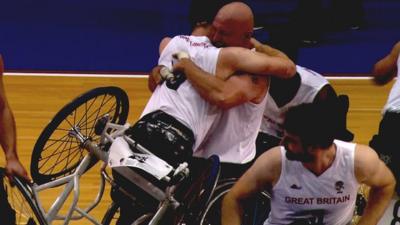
[56,154]
[19,204]
[256,209]
[112,214]
[205,184]
[193,194]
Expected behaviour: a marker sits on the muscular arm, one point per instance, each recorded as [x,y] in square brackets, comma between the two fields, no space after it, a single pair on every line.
[154,77]
[240,59]
[263,48]
[8,133]
[386,69]
[230,92]
[263,174]
[369,169]
[227,93]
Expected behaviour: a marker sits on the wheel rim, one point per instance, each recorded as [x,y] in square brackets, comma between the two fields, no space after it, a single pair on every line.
[21,202]
[57,152]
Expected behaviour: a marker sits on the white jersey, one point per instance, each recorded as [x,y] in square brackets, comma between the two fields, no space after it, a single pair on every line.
[184,103]
[326,199]
[234,137]
[393,102]
[311,84]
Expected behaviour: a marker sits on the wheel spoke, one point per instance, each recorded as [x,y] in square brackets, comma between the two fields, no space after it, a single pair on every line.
[56,153]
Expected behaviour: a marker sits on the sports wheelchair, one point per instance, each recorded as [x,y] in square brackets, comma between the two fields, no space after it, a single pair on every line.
[91,129]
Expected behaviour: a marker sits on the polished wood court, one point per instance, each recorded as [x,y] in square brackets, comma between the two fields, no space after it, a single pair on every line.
[36,99]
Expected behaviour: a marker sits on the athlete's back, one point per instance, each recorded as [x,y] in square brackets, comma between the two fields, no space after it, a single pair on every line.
[179,98]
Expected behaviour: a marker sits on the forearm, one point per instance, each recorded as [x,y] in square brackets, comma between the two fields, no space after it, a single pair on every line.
[154,78]
[231,211]
[378,201]
[386,69]
[266,49]
[8,133]
[210,87]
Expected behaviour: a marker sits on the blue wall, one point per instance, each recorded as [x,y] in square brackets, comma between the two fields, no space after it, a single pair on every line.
[123,35]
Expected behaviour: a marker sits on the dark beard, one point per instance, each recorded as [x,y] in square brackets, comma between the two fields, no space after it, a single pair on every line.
[301,157]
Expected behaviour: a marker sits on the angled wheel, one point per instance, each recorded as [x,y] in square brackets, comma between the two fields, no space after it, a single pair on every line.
[112,217]
[56,153]
[256,209]
[112,214]
[17,204]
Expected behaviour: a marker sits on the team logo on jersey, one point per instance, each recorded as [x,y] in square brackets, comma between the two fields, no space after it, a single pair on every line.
[339,186]
[294,186]
[141,159]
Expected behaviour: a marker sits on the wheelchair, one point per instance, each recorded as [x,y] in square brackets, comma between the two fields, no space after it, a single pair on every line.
[91,129]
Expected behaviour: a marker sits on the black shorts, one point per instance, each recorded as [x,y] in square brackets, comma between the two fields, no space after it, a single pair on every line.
[164,136]
[386,142]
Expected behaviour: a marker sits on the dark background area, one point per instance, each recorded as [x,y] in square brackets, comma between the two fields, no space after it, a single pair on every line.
[123,35]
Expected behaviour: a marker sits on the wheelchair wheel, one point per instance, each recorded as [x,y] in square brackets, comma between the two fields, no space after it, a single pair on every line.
[17,204]
[57,154]
[201,190]
[256,209]
[112,215]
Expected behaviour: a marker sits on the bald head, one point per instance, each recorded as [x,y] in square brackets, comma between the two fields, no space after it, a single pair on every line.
[233,25]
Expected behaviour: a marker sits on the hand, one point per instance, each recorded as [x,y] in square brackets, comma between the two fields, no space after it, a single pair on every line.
[181,55]
[382,79]
[15,168]
[256,44]
[182,65]
[166,73]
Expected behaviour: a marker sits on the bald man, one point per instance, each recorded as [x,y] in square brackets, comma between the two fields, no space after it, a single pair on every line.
[233,26]
[242,97]
[177,120]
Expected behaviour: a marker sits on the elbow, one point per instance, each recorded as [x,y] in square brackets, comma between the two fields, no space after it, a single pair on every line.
[222,102]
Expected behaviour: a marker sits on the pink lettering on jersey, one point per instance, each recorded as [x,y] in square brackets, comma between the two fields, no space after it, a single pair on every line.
[333,200]
[299,201]
[318,201]
[194,44]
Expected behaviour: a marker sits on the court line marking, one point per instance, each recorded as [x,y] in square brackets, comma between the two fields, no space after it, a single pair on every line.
[141,75]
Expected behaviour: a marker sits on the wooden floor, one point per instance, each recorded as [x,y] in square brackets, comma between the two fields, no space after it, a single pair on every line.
[35,100]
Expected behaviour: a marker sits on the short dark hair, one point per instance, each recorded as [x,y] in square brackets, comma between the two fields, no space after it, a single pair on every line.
[203,11]
[315,124]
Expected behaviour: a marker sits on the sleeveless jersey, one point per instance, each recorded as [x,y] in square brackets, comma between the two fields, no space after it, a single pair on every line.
[234,137]
[393,102]
[182,101]
[311,84]
[326,199]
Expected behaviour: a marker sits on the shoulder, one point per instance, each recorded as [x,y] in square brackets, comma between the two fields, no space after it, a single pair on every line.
[364,153]
[366,161]
[270,163]
[164,42]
